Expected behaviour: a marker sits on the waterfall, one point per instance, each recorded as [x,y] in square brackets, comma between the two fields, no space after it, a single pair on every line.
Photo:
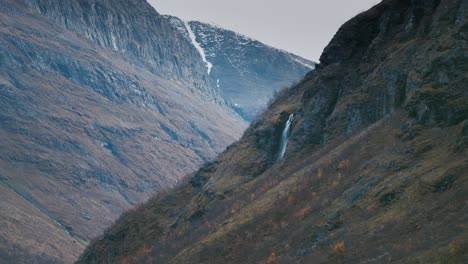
[285,137]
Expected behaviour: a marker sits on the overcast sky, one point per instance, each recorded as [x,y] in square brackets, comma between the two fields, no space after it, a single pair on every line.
[303,27]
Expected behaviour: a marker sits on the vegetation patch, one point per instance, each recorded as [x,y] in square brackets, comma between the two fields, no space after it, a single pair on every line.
[388,198]
[444,184]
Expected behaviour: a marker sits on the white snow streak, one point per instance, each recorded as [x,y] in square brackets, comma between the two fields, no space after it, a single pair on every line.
[114,42]
[310,66]
[197,46]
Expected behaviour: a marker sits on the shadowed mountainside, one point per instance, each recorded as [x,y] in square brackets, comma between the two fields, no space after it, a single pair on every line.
[376,168]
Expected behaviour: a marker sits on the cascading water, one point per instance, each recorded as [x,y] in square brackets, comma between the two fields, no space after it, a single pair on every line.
[285,137]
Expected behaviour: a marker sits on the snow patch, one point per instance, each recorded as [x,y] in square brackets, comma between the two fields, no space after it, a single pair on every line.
[114,42]
[197,46]
[308,65]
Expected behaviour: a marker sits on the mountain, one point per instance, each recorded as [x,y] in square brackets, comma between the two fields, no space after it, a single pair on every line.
[375,168]
[101,104]
[247,71]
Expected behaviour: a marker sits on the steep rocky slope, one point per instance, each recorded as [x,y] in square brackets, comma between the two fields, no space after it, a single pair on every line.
[247,71]
[376,170]
[101,103]
[132,28]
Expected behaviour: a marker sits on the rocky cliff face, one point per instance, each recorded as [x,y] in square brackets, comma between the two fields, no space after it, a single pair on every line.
[375,170]
[132,28]
[101,104]
[247,71]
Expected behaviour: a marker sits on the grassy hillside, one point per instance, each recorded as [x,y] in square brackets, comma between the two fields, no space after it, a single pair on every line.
[87,132]
[376,170]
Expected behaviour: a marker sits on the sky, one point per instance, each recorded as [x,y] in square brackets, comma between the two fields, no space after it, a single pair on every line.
[303,27]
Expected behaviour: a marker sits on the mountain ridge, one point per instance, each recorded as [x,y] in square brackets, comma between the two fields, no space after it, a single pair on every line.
[246,70]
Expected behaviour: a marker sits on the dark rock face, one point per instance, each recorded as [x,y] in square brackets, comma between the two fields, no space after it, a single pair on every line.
[392,71]
[377,156]
[247,71]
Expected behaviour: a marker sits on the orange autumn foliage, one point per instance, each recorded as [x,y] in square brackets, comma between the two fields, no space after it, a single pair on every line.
[343,164]
[320,173]
[235,207]
[304,212]
[339,248]
[271,259]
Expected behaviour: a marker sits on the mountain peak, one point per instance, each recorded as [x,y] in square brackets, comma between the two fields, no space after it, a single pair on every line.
[246,71]
[370,28]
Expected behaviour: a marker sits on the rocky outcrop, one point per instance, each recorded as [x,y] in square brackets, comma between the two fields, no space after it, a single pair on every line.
[388,43]
[375,169]
[134,29]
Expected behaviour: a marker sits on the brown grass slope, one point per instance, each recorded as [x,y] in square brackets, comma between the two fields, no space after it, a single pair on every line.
[376,170]
[86,133]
